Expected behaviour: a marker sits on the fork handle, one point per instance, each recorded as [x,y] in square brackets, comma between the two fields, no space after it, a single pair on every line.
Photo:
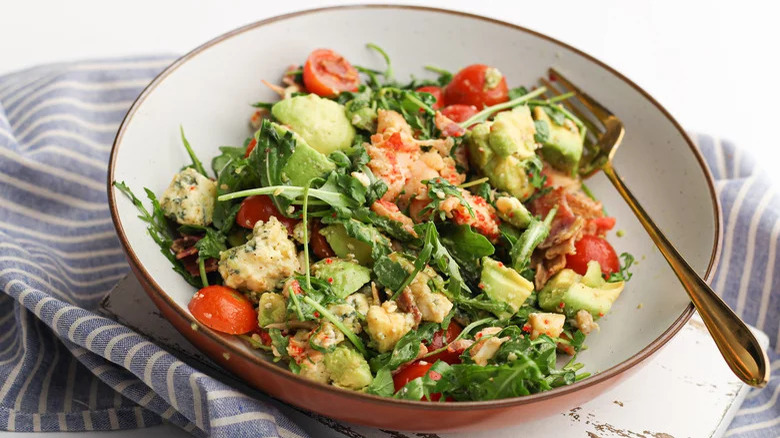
[734,339]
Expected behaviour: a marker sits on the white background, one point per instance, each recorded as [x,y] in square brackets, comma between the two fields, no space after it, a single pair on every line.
[712,64]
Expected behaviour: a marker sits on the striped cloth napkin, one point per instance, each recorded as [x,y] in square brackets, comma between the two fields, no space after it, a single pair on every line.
[69,369]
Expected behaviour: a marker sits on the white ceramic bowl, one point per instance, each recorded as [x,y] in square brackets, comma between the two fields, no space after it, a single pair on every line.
[209,90]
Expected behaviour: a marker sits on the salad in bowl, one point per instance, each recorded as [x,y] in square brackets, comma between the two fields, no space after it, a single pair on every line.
[425,240]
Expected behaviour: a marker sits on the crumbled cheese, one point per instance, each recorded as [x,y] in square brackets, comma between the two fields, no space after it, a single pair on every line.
[190,198]
[550,324]
[485,349]
[298,233]
[386,326]
[583,320]
[327,336]
[348,315]
[433,306]
[261,264]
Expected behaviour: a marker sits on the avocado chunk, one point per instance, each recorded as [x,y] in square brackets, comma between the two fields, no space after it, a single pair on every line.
[271,309]
[504,284]
[512,133]
[348,368]
[502,150]
[563,146]
[568,292]
[345,277]
[347,247]
[321,122]
[511,210]
[305,163]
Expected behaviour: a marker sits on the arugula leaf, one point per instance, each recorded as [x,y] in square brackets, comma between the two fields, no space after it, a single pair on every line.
[555,114]
[406,349]
[210,245]
[228,153]
[263,105]
[360,107]
[541,131]
[388,73]
[514,93]
[489,111]
[389,273]
[529,240]
[158,229]
[382,384]
[534,167]
[474,382]
[269,157]
[195,161]
[623,273]
[466,245]
[380,245]
[445,77]
[483,302]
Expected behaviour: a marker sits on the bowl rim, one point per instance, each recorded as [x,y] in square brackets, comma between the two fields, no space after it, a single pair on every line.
[257,359]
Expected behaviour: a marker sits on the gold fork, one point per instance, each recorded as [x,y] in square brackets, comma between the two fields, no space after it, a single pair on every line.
[734,339]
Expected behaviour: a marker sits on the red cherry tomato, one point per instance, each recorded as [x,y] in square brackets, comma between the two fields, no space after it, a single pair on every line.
[326,73]
[250,147]
[442,339]
[593,248]
[459,113]
[479,85]
[320,245]
[223,309]
[413,371]
[437,93]
[261,208]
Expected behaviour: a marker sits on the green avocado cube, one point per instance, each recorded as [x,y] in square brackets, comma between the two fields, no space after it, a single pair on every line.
[503,284]
[345,246]
[568,292]
[322,123]
[305,163]
[345,277]
[563,146]
[348,368]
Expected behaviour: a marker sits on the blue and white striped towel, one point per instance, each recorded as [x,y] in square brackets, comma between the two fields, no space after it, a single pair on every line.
[68,368]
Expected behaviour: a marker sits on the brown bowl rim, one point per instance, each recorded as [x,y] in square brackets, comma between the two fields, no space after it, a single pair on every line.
[490,404]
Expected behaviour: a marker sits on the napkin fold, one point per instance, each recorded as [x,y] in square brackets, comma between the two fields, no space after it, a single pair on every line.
[69,369]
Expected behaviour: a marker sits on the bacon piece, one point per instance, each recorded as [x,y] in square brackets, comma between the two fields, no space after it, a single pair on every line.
[185,250]
[406,304]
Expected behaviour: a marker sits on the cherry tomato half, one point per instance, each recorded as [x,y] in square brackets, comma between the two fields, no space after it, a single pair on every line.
[413,371]
[479,85]
[593,248]
[326,73]
[261,208]
[223,309]
[442,339]
[437,93]
[459,113]
[320,245]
